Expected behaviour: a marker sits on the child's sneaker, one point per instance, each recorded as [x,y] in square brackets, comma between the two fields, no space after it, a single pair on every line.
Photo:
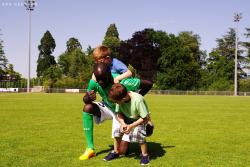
[110,156]
[144,160]
[89,153]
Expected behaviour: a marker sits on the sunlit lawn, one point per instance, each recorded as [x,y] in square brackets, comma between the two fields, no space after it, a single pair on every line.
[46,130]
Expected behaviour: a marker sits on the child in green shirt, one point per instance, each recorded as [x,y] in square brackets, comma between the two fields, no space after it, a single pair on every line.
[132,113]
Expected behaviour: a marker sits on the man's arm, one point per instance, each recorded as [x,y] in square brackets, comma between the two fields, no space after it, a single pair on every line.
[89,97]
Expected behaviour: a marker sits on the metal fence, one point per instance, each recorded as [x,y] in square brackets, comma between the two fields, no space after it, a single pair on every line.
[163,92]
[177,92]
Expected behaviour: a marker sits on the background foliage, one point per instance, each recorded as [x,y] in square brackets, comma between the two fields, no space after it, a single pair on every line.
[171,61]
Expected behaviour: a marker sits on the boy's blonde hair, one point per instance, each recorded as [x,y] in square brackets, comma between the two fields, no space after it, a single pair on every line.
[101,52]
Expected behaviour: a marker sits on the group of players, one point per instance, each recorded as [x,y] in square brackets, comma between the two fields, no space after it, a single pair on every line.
[122,102]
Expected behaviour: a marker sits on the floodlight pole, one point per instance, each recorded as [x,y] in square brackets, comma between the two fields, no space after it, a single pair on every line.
[237,18]
[30,5]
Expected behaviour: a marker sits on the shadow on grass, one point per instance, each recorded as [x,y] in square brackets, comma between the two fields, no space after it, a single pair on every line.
[105,151]
[155,150]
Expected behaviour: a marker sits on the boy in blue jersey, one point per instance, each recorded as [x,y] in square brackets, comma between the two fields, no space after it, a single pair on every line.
[103,54]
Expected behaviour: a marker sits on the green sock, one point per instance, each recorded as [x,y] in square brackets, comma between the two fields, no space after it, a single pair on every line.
[88,129]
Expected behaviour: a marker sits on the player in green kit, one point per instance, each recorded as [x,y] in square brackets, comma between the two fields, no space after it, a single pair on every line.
[103,110]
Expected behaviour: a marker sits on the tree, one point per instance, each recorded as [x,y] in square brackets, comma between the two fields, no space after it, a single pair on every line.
[45,59]
[112,40]
[141,52]
[112,31]
[64,62]
[89,50]
[65,59]
[220,71]
[247,46]
[221,59]
[75,65]
[51,75]
[3,59]
[73,44]
[191,42]
[14,76]
[180,61]
[80,65]
[72,61]
[83,65]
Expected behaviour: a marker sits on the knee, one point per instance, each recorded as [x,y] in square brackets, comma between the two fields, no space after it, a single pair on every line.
[92,109]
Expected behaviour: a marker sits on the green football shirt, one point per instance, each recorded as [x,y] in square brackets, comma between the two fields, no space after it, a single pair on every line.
[136,108]
[132,84]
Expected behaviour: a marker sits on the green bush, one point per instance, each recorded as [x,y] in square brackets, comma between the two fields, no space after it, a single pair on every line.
[68,82]
[221,85]
[244,85]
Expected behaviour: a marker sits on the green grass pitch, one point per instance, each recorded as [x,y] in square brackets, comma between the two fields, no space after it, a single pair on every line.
[42,130]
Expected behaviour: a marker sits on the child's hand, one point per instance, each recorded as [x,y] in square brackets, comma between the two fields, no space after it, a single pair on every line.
[116,80]
[128,129]
[123,128]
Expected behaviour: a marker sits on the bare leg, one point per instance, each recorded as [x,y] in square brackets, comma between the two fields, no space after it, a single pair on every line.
[114,153]
[144,157]
[144,149]
[117,142]
[123,147]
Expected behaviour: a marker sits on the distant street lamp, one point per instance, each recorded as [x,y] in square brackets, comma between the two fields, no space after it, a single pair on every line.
[30,5]
[237,17]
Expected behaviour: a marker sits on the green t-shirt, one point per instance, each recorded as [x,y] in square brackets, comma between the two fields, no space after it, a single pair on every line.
[132,84]
[136,108]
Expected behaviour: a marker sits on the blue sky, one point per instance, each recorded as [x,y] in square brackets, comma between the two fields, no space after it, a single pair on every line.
[87,20]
